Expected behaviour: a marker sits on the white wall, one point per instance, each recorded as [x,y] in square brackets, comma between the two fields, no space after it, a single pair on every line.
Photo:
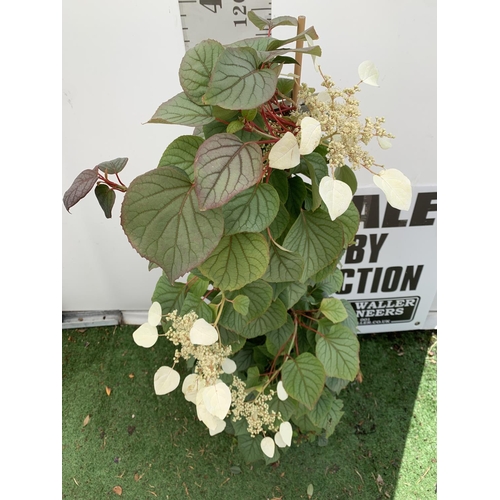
[120,61]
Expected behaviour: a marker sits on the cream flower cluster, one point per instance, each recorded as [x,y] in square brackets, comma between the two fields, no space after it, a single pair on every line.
[332,118]
[199,339]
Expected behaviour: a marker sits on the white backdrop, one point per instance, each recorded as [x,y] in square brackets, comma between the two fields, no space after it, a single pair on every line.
[120,62]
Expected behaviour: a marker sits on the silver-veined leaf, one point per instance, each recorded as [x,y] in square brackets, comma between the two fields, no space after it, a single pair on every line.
[237,81]
[303,378]
[180,110]
[225,166]
[237,260]
[162,221]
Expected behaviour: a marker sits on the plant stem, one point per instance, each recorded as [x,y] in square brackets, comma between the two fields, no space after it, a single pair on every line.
[298,57]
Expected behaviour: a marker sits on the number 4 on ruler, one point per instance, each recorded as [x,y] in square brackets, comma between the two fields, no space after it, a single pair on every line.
[211,5]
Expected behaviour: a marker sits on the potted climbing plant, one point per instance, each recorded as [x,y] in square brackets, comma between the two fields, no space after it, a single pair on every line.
[248,216]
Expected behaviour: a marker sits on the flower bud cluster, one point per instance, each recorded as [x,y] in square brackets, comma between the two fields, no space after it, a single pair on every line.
[209,358]
[338,113]
[256,412]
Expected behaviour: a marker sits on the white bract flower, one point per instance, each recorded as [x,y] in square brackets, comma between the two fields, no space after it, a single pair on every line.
[147,334]
[278,439]
[221,425]
[203,333]
[310,135]
[368,73]
[267,446]
[384,143]
[337,196]
[191,385]
[396,187]
[286,432]
[228,365]
[310,42]
[282,394]
[217,399]
[285,153]
[166,380]
[211,421]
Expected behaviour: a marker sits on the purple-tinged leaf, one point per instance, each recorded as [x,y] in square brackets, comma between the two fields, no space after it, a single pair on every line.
[80,188]
[225,166]
[113,166]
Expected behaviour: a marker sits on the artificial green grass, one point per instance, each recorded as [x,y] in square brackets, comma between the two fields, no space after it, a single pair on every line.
[137,445]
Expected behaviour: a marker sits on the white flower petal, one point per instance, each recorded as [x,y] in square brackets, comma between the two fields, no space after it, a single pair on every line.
[166,380]
[285,153]
[396,186]
[282,394]
[337,196]
[146,335]
[384,142]
[228,365]
[310,42]
[203,333]
[286,432]
[154,314]
[211,421]
[310,135]
[221,425]
[368,73]
[191,385]
[279,440]
[267,446]
[217,399]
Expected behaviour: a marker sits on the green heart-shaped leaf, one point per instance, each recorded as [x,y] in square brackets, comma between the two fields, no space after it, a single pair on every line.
[162,221]
[251,210]
[180,110]
[181,153]
[317,238]
[304,378]
[225,166]
[338,350]
[237,81]
[196,68]
[238,260]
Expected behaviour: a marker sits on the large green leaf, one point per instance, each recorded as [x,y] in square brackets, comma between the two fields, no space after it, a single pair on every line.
[238,260]
[338,350]
[196,68]
[274,317]
[181,153]
[276,339]
[199,306]
[283,266]
[169,295]
[279,180]
[333,309]
[224,166]
[280,222]
[352,318]
[251,210]
[304,378]
[237,81]
[317,238]
[292,294]
[319,415]
[334,416]
[345,174]
[162,221]
[181,110]
[350,222]
[260,295]
[285,408]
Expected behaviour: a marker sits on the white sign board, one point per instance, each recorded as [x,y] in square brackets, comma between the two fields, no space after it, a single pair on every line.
[390,273]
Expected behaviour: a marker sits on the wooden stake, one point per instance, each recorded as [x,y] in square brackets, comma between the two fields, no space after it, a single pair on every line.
[298,57]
